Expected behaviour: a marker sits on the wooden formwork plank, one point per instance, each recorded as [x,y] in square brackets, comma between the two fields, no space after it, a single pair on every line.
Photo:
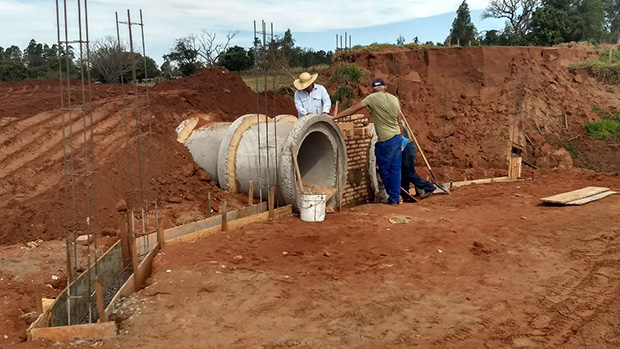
[236,224]
[172,233]
[575,195]
[103,330]
[514,168]
[476,181]
[591,198]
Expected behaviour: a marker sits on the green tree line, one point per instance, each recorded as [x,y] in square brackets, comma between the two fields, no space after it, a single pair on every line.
[541,23]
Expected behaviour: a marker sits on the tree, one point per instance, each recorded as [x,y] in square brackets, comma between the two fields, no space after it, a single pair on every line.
[400,41]
[236,58]
[554,22]
[592,20]
[612,19]
[13,70]
[518,14]
[463,30]
[209,49]
[33,55]
[185,55]
[109,59]
[12,53]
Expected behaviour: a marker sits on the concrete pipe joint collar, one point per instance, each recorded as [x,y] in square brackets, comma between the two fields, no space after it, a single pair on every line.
[317,140]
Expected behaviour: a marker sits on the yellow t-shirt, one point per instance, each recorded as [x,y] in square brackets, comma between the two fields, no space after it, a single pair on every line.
[384,108]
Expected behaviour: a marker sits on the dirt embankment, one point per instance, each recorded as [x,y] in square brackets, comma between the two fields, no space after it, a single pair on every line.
[478,88]
[31,186]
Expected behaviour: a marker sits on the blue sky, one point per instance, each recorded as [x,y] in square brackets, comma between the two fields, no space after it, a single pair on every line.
[313,23]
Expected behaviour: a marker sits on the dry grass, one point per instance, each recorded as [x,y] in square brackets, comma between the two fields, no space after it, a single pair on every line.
[278,80]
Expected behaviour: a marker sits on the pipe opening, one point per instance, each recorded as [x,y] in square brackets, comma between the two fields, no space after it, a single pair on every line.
[317,160]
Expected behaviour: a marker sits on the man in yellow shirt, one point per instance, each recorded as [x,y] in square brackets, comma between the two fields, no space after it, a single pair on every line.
[385,111]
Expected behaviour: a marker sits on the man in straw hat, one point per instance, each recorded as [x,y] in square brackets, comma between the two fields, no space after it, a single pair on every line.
[385,111]
[310,98]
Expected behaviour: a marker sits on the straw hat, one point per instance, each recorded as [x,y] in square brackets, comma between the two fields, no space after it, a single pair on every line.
[305,80]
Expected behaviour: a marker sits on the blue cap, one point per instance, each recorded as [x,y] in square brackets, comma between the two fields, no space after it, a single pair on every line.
[378,82]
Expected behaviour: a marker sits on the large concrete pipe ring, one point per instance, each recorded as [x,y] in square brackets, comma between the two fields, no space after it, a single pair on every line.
[317,140]
[204,145]
[257,148]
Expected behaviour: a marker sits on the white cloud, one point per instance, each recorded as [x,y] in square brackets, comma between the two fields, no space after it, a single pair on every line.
[168,20]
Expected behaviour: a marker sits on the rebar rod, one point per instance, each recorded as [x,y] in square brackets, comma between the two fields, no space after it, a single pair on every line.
[92,140]
[153,182]
[125,119]
[85,141]
[256,64]
[275,123]
[64,156]
[137,115]
[266,76]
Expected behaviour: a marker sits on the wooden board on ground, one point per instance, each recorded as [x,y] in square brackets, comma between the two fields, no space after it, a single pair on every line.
[575,195]
[104,330]
[236,224]
[590,199]
[314,188]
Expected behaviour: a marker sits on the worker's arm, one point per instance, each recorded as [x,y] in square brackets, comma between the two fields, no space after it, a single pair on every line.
[300,108]
[327,102]
[400,122]
[350,111]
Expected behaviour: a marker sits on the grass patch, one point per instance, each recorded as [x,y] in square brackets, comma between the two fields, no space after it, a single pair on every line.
[606,69]
[604,72]
[279,80]
[571,147]
[606,129]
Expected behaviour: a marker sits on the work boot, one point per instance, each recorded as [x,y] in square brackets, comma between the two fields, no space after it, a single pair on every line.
[425,194]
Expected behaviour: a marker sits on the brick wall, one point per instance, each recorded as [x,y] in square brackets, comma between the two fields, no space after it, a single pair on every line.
[357,140]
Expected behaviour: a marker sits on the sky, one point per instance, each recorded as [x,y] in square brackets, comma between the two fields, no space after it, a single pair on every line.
[314,24]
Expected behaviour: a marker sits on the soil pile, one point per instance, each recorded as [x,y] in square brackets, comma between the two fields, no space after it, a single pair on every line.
[479,87]
[31,180]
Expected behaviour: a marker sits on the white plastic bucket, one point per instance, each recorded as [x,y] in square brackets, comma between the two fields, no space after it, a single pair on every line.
[312,207]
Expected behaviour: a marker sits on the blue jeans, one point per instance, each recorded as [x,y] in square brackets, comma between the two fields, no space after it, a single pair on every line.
[409,176]
[388,154]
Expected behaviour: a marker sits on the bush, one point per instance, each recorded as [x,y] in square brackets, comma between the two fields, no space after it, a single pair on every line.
[346,74]
[343,94]
[605,129]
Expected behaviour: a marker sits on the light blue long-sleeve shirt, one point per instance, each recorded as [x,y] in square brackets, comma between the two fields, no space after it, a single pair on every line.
[315,102]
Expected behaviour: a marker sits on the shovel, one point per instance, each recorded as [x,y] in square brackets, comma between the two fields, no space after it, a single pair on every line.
[439,185]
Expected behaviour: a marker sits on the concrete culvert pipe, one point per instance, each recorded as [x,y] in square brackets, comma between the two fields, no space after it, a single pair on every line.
[258,148]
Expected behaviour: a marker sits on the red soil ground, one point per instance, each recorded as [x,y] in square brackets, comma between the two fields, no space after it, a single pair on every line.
[486,267]
[31,189]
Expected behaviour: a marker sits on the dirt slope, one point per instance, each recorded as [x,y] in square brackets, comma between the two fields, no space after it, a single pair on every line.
[481,85]
[31,187]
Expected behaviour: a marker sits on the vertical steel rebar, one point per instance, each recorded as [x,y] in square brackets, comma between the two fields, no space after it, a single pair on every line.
[154,187]
[95,220]
[64,158]
[266,76]
[256,66]
[275,123]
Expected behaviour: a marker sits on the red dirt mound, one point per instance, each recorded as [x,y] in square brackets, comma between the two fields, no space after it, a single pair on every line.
[31,186]
[478,88]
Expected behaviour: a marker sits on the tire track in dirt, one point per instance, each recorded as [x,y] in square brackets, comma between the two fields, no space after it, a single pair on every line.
[42,122]
[21,156]
[579,303]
